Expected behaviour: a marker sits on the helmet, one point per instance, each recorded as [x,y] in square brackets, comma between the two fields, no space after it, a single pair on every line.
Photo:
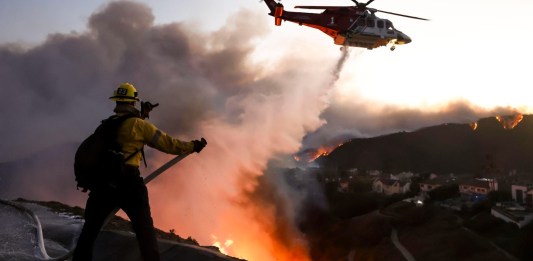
[125,93]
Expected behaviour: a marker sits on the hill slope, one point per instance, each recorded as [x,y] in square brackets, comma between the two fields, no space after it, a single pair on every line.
[61,225]
[490,149]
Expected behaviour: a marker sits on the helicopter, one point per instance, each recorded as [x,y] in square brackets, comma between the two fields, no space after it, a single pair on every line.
[356,26]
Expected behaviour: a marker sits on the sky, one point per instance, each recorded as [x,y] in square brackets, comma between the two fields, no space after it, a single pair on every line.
[258,94]
[475,51]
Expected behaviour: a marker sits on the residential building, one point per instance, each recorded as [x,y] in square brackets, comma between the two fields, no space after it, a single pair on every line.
[477,189]
[428,185]
[390,186]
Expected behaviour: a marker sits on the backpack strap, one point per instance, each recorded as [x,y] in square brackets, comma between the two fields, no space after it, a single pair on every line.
[134,153]
[144,158]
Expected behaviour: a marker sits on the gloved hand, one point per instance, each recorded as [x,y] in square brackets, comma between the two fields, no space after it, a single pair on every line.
[146,108]
[199,145]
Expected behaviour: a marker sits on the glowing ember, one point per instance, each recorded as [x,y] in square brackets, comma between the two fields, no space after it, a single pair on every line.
[509,122]
[473,126]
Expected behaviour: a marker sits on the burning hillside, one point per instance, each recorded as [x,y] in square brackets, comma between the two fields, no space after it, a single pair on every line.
[311,154]
[445,148]
[510,121]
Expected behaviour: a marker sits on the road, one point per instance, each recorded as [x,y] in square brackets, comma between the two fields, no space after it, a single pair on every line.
[399,246]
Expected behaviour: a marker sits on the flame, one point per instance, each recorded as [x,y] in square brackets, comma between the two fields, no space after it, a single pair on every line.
[216,207]
[509,122]
[222,247]
[313,154]
[322,151]
[473,126]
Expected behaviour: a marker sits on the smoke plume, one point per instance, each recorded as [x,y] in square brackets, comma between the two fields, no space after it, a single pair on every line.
[207,86]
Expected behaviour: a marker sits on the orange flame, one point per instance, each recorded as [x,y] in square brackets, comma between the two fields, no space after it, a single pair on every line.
[312,155]
[322,151]
[223,247]
[473,126]
[223,213]
[509,122]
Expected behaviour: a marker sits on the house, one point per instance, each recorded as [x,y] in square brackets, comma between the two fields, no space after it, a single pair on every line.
[428,185]
[523,194]
[390,186]
[477,189]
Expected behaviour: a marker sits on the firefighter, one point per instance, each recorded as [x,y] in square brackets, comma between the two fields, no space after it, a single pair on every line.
[130,193]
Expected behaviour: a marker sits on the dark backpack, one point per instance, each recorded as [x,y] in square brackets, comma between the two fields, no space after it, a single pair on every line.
[99,161]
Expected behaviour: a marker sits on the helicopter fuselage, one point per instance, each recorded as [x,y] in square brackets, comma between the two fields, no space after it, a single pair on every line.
[351,26]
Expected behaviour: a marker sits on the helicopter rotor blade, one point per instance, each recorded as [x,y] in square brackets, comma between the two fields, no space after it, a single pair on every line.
[367,3]
[408,16]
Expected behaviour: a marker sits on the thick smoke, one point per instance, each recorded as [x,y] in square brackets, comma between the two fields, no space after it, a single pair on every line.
[206,85]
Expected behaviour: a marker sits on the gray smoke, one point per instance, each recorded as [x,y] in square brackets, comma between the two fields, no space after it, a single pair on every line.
[56,93]
[206,84]
[358,119]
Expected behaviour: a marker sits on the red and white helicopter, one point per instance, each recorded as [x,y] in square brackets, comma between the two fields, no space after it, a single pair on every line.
[348,25]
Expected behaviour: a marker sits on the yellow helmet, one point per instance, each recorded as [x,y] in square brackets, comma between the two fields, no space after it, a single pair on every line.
[125,93]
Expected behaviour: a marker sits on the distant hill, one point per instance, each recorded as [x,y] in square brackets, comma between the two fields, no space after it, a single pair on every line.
[491,149]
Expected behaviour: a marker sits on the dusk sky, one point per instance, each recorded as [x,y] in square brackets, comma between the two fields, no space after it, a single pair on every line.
[258,93]
[475,50]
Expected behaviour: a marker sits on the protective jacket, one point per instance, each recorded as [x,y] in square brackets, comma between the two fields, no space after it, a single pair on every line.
[136,132]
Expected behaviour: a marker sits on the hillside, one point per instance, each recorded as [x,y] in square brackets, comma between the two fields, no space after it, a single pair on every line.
[61,225]
[489,149]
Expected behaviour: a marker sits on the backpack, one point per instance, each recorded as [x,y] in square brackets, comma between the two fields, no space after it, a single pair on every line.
[99,160]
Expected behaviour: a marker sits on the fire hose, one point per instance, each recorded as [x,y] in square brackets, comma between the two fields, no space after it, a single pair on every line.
[39,229]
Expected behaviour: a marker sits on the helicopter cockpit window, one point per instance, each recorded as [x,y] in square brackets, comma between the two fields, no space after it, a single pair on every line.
[360,22]
[380,24]
[389,26]
[370,23]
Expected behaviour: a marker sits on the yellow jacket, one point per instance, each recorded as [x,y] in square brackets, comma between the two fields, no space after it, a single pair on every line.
[136,132]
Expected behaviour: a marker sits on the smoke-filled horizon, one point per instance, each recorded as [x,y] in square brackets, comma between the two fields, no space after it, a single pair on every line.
[208,85]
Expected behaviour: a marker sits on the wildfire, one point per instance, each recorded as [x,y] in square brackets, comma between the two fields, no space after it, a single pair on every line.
[311,155]
[322,151]
[223,247]
[509,122]
[473,126]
